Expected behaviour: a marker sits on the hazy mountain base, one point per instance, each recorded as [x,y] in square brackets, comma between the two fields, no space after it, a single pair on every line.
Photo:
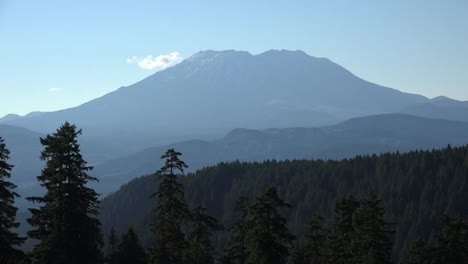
[359,136]
[416,188]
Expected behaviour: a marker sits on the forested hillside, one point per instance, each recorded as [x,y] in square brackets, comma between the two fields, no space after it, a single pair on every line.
[416,189]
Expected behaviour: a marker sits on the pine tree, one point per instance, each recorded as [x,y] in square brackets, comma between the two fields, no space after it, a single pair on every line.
[171,212]
[236,250]
[343,231]
[452,242]
[65,222]
[130,249]
[315,242]
[268,238]
[200,250]
[9,240]
[417,252]
[371,241]
[113,242]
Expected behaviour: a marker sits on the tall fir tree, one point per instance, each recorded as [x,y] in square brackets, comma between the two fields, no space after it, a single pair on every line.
[65,223]
[452,241]
[343,231]
[171,212]
[130,249]
[200,250]
[112,248]
[9,239]
[268,239]
[315,241]
[371,240]
[236,248]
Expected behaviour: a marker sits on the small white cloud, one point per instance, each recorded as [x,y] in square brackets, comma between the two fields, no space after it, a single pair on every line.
[132,59]
[160,62]
[54,89]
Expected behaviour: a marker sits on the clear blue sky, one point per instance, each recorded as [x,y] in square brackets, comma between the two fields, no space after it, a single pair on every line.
[58,54]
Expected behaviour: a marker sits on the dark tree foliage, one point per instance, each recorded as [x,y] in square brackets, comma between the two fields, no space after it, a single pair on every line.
[371,239]
[236,248]
[452,245]
[200,249]
[171,212]
[417,252]
[268,238]
[65,222]
[297,255]
[9,240]
[343,231]
[316,241]
[130,249]
[416,188]
[112,248]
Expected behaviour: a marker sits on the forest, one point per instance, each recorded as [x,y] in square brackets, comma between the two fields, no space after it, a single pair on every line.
[388,208]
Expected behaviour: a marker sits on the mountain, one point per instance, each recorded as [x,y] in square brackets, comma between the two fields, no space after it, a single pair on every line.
[9,117]
[213,92]
[441,107]
[358,136]
[416,189]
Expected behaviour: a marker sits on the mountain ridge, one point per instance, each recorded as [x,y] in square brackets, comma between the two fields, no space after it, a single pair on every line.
[359,136]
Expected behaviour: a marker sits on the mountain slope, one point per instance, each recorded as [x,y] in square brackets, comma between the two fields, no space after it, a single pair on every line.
[366,135]
[213,92]
[441,107]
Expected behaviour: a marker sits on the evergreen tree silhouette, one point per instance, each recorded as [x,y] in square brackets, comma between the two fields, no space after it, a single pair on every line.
[236,249]
[65,222]
[113,243]
[200,250]
[9,239]
[130,250]
[171,212]
[268,239]
[371,240]
[315,241]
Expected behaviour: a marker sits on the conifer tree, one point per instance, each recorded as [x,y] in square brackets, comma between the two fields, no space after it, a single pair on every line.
[315,242]
[297,255]
[130,249]
[236,249]
[9,239]
[343,231]
[65,222]
[268,238]
[113,243]
[452,242]
[371,241]
[417,252]
[171,212]
[200,250]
